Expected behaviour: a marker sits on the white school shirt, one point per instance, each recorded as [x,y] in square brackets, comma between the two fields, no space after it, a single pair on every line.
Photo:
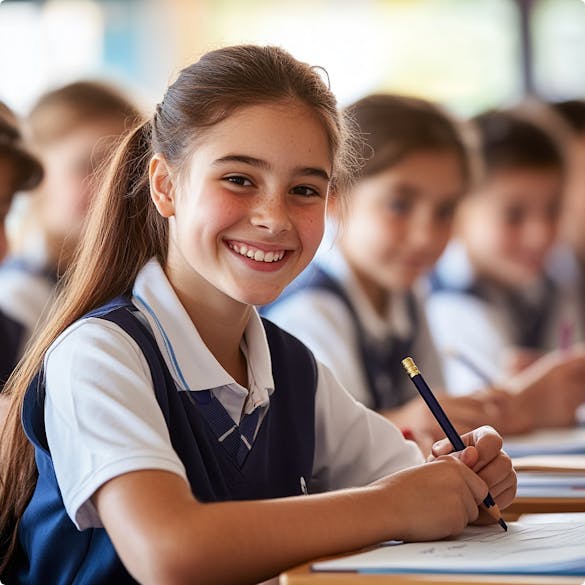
[102,418]
[322,321]
[24,296]
[480,330]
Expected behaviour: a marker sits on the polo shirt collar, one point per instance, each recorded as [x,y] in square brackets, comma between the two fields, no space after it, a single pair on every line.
[189,360]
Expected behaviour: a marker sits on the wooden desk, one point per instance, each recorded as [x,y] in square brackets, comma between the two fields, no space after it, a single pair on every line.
[304,576]
[543,506]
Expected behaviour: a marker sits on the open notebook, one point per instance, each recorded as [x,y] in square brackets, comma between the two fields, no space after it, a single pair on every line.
[538,544]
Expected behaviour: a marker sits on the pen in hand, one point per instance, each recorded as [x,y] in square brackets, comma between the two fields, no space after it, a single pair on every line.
[448,428]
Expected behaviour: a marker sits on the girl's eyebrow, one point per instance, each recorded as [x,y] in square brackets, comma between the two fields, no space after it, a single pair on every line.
[265,165]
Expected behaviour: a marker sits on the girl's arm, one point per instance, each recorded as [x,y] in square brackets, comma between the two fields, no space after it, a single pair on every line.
[163,535]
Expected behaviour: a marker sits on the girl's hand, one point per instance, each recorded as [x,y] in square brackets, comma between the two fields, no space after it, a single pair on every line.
[485,457]
[517,359]
[431,501]
[548,393]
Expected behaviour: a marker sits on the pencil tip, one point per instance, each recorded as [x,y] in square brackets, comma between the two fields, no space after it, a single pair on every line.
[503,524]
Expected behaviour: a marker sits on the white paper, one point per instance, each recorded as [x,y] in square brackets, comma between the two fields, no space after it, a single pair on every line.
[548,544]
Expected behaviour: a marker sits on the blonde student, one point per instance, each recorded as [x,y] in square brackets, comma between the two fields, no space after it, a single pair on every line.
[360,305]
[492,279]
[71,130]
[178,437]
[19,170]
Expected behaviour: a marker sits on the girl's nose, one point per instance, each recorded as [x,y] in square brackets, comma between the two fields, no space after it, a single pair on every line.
[539,234]
[272,214]
[422,233]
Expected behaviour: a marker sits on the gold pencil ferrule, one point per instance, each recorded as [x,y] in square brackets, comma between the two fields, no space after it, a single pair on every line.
[410,367]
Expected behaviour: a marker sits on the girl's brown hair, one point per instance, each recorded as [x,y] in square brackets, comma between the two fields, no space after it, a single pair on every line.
[62,110]
[124,229]
[393,127]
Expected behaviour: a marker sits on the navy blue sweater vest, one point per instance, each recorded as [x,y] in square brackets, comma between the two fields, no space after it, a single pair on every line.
[381,362]
[52,550]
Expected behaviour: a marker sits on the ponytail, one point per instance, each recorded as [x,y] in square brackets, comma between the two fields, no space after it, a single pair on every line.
[123,231]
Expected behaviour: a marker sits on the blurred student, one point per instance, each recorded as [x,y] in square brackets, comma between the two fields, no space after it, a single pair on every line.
[72,129]
[567,265]
[172,436]
[19,171]
[492,280]
[359,306]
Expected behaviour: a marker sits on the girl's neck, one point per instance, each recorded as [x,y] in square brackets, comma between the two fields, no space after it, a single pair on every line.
[219,320]
[377,296]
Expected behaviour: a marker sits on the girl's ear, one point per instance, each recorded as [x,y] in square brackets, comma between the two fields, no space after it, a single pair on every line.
[162,189]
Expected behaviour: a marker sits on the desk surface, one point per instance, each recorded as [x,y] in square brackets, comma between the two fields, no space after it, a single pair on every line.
[304,576]
[544,506]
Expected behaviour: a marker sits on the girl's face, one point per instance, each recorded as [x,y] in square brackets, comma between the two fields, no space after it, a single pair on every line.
[69,162]
[399,221]
[248,213]
[510,224]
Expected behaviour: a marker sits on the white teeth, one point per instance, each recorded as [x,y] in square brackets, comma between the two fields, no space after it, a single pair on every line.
[257,255]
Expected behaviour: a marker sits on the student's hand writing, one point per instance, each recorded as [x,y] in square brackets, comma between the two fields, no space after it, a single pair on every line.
[517,359]
[433,500]
[485,457]
[548,393]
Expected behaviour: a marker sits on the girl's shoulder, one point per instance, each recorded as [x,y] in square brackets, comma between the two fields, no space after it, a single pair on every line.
[92,339]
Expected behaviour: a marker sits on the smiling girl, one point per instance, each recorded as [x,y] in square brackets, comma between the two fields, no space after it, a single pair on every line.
[176,434]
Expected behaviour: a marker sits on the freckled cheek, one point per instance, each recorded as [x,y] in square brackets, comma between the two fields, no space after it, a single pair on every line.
[310,227]
[221,213]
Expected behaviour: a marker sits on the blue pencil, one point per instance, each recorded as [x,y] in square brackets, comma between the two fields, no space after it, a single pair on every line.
[448,428]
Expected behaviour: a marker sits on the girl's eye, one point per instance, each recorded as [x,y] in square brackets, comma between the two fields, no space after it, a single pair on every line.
[514,215]
[238,180]
[305,191]
[446,212]
[399,206]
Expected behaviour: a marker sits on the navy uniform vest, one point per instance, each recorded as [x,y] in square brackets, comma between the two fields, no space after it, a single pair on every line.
[381,361]
[52,550]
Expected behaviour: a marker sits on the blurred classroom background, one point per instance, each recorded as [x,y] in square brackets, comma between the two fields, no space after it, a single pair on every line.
[466,54]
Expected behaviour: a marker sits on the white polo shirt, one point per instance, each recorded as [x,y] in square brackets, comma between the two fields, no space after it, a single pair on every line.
[102,418]
[24,296]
